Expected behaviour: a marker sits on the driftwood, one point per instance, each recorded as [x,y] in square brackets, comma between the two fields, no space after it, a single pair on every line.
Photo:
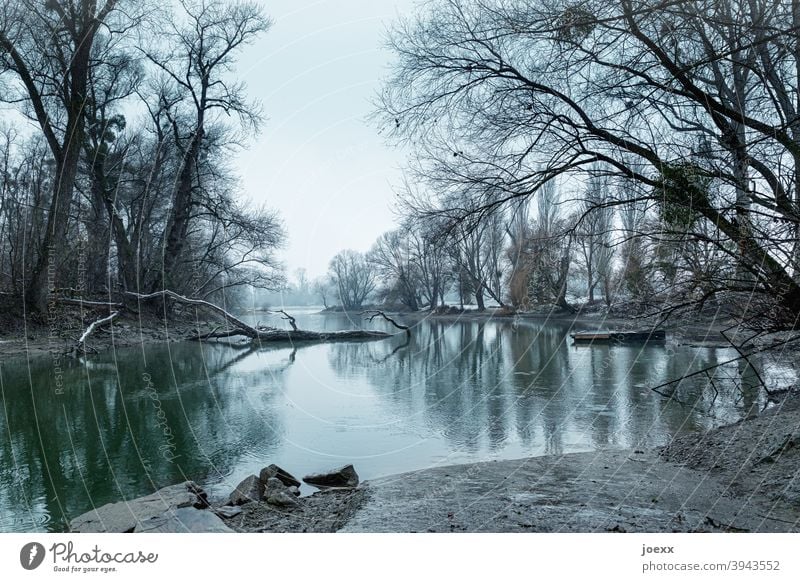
[300,335]
[81,343]
[237,327]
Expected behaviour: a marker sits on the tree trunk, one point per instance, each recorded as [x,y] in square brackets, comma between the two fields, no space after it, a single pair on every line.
[67,155]
[98,247]
[178,223]
[479,298]
[44,277]
[563,276]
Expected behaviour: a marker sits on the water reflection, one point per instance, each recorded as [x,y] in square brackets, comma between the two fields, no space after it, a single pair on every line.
[133,421]
[124,426]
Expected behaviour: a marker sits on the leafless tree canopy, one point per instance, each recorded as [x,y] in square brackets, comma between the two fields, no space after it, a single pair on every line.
[685,109]
[124,186]
[353,277]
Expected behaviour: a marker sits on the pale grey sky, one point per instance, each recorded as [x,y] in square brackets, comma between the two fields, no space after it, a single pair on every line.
[317,160]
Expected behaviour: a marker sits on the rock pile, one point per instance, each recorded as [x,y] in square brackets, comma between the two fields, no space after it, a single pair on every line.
[185,507]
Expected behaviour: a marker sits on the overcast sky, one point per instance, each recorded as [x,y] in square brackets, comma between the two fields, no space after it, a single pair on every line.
[317,160]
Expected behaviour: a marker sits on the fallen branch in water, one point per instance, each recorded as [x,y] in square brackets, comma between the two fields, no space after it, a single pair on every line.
[260,334]
[244,328]
[292,321]
[376,313]
[707,370]
[89,330]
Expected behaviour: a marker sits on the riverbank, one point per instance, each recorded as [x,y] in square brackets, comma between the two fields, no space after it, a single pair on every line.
[702,329]
[59,333]
[740,477]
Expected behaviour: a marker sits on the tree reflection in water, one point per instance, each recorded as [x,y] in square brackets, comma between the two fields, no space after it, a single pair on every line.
[133,421]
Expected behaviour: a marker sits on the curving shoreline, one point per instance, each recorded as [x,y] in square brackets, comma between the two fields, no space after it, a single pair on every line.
[740,477]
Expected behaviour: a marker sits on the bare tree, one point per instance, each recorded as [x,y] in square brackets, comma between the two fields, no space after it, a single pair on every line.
[432,263]
[542,254]
[353,277]
[321,287]
[115,77]
[197,94]
[593,235]
[48,47]
[395,265]
[685,103]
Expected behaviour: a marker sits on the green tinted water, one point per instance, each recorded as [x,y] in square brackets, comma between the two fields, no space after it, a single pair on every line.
[131,421]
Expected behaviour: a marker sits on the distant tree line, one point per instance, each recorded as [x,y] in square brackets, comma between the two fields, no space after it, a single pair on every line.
[546,251]
[115,170]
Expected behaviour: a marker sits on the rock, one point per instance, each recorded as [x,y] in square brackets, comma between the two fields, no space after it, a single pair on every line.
[183,520]
[275,471]
[294,490]
[124,516]
[342,477]
[228,511]
[276,493]
[250,489]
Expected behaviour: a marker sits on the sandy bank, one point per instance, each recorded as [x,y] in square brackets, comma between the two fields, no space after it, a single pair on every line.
[742,477]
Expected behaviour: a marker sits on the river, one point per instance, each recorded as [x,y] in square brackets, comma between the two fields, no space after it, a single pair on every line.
[129,421]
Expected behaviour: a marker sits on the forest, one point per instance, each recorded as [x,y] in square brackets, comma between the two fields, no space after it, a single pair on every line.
[115,162]
[633,156]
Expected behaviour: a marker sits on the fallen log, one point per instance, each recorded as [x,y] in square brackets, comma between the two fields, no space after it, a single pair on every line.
[237,327]
[247,330]
[304,335]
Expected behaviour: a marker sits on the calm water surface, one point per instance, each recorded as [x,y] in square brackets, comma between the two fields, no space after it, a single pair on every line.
[131,421]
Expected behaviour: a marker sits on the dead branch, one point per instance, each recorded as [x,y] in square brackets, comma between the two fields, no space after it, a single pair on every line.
[81,343]
[292,321]
[95,324]
[244,328]
[377,313]
[742,356]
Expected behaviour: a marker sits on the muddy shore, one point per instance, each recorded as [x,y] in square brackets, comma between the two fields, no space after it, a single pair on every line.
[742,477]
[59,332]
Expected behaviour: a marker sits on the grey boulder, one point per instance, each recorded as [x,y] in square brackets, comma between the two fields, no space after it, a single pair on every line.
[250,489]
[228,511]
[124,516]
[343,477]
[276,493]
[275,471]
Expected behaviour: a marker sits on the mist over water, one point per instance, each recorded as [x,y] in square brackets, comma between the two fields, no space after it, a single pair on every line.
[134,420]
